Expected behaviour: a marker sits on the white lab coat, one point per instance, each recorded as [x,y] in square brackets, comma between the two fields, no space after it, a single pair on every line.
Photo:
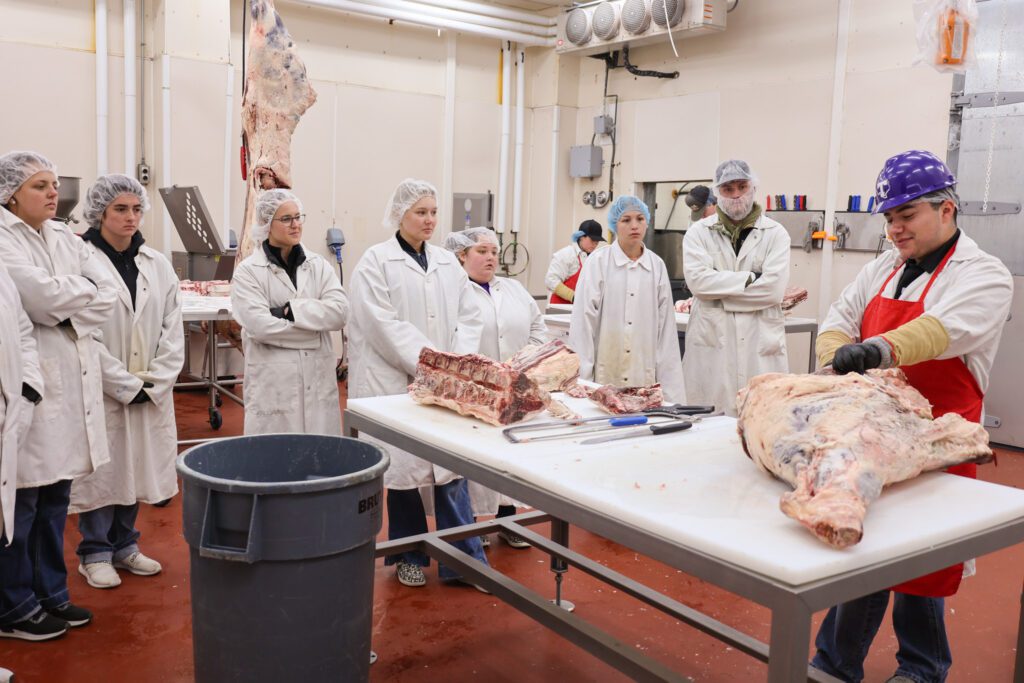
[52,270]
[291,382]
[736,332]
[144,342]
[19,364]
[397,310]
[971,297]
[623,324]
[511,320]
[564,263]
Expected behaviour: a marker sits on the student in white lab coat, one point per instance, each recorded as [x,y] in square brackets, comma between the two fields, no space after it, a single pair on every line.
[623,322]
[288,301]
[67,293]
[408,295]
[511,320]
[736,264]
[566,263]
[144,349]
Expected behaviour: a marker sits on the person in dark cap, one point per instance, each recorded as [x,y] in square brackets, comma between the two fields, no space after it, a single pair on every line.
[702,202]
[567,262]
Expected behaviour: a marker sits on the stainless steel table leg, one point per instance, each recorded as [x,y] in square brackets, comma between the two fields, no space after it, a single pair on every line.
[560,535]
[787,649]
[1018,668]
[812,359]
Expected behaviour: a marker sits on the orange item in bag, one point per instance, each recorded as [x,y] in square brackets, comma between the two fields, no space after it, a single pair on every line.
[954,31]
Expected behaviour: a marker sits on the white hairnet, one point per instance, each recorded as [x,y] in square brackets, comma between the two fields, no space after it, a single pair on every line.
[458,242]
[17,167]
[267,205]
[105,190]
[622,205]
[733,169]
[408,192]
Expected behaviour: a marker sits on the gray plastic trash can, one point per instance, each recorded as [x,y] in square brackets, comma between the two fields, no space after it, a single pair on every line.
[281,531]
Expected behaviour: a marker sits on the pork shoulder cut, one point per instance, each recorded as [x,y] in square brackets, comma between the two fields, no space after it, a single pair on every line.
[477,386]
[623,400]
[840,439]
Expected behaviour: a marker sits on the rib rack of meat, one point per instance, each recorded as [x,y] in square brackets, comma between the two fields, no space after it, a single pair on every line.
[478,386]
[622,400]
[553,366]
[840,439]
[277,93]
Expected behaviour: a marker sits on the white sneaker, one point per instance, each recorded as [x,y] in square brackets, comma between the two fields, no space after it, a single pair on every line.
[100,574]
[139,564]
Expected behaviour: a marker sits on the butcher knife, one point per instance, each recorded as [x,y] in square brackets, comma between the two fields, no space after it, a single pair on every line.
[653,430]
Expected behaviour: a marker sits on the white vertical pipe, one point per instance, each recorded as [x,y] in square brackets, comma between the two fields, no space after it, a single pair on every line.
[506,131]
[834,145]
[130,103]
[229,149]
[553,230]
[165,142]
[334,158]
[102,115]
[517,172]
[445,215]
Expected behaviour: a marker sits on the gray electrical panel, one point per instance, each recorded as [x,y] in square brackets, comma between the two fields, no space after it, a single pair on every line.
[472,210]
[585,161]
[603,125]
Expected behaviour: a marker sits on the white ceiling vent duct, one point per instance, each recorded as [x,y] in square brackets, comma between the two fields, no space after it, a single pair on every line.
[636,16]
[672,8]
[577,27]
[601,27]
[606,21]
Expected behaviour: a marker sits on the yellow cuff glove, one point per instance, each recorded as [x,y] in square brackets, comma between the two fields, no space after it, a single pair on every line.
[919,340]
[827,343]
[564,292]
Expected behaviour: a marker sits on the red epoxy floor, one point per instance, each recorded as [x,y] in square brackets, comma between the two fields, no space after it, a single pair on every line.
[142,629]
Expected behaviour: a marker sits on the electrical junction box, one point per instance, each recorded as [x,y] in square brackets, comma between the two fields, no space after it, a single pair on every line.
[603,125]
[585,161]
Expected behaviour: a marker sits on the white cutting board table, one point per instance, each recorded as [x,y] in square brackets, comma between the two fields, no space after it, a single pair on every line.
[694,500]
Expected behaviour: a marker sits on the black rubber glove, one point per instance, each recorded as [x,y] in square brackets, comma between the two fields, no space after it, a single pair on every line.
[282,312]
[142,396]
[856,358]
[30,394]
[66,322]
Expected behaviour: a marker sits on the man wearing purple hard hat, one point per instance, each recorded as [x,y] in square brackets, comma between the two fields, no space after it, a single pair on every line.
[934,306]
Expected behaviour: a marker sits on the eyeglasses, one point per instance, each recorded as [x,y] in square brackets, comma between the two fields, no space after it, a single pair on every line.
[299,218]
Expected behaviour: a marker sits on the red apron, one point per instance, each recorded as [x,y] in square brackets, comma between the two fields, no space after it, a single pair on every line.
[570,283]
[947,384]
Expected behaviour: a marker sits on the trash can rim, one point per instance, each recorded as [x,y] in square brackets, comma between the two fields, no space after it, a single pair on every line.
[289,486]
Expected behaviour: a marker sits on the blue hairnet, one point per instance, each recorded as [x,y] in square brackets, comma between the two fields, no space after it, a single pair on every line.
[105,190]
[576,236]
[408,192]
[267,205]
[16,168]
[622,205]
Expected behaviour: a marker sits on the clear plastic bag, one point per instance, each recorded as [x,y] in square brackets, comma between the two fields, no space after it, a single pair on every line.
[945,34]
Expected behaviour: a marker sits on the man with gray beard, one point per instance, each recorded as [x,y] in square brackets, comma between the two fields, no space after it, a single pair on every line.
[736,263]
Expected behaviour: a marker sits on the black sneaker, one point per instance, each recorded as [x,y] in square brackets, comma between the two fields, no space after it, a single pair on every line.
[40,626]
[74,616]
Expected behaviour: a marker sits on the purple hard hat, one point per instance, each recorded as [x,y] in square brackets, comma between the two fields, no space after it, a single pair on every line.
[910,175]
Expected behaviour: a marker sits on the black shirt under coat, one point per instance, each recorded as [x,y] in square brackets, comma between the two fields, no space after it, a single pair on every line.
[295,259]
[124,261]
[926,264]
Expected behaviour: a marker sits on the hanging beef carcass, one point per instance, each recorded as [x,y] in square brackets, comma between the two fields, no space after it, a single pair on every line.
[840,439]
[277,93]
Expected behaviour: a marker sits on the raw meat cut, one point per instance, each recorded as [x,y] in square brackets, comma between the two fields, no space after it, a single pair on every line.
[205,287]
[560,411]
[553,366]
[793,296]
[623,400]
[478,386]
[276,94]
[683,305]
[579,391]
[840,439]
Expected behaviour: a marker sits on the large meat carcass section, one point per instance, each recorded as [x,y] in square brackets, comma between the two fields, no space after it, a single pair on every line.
[477,386]
[840,439]
[277,92]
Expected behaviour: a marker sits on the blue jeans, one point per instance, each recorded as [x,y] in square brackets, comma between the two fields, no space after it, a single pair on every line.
[108,533]
[32,571]
[406,517]
[846,634]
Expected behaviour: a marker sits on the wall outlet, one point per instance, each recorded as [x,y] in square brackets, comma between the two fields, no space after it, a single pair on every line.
[142,173]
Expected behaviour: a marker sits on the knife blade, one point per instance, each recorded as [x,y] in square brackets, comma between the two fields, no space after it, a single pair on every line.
[653,430]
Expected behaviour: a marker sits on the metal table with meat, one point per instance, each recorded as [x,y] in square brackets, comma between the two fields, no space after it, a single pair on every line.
[692,499]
